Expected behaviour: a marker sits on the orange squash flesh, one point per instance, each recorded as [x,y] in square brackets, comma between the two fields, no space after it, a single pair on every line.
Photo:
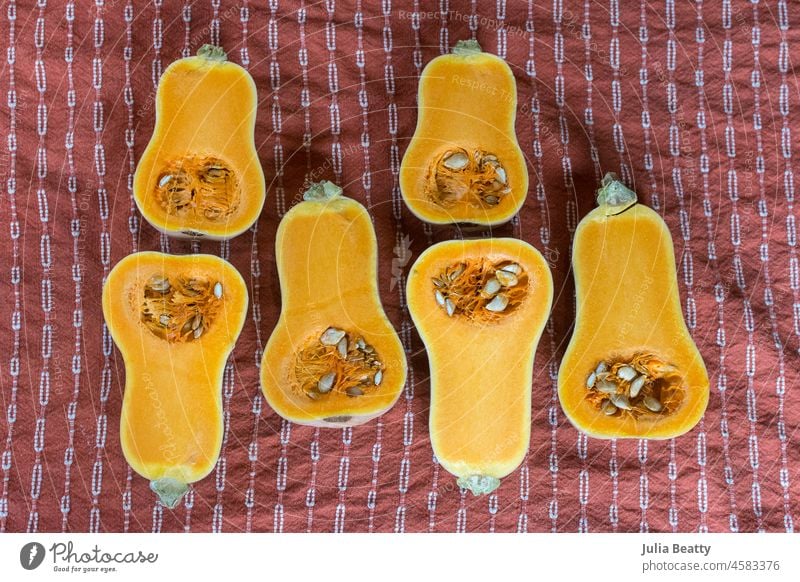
[171,424]
[627,303]
[205,113]
[480,371]
[326,255]
[467,103]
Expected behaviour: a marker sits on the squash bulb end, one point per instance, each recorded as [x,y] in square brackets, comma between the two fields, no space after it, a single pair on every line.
[479,484]
[170,491]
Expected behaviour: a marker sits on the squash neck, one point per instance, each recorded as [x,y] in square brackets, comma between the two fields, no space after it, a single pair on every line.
[467,47]
[614,197]
[324,191]
[210,52]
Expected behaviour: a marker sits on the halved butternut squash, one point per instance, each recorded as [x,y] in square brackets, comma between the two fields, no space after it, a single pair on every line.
[175,320]
[631,369]
[334,358]
[200,175]
[480,307]
[464,163]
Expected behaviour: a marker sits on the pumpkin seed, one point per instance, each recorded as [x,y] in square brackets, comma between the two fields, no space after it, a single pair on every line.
[506,279]
[439,298]
[652,403]
[378,377]
[326,382]
[354,391]
[501,174]
[196,321]
[218,290]
[313,395]
[491,287]
[164,319]
[498,304]
[601,367]
[361,343]
[492,200]
[591,380]
[198,332]
[450,307]
[331,336]
[636,386]
[456,161]
[626,373]
[620,401]
[164,180]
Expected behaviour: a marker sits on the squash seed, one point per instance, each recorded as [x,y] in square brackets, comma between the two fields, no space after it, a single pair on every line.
[439,298]
[325,383]
[606,386]
[164,319]
[501,175]
[165,179]
[197,333]
[450,307]
[491,288]
[620,401]
[456,161]
[601,367]
[218,290]
[626,373]
[378,377]
[342,347]
[591,380]
[159,284]
[499,303]
[652,403]
[636,386]
[331,336]
[608,408]
[506,279]
[492,200]
[512,268]
[354,391]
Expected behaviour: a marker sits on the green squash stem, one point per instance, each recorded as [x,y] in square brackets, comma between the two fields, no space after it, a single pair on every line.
[614,197]
[170,491]
[479,484]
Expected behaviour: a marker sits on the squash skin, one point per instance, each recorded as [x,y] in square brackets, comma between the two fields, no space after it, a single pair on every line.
[468,100]
[631,305]
[194,118]
[338,240]
[480,413]
[171,424]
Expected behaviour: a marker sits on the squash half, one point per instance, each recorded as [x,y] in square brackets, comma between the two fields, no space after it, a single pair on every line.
[333,359]
[480,307]
[175,320]
[200,176]
[631,369]
[464,163]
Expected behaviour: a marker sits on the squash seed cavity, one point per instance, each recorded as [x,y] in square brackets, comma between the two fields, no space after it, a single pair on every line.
[180,309]
[459,176]
[337,362]
[641,385]
[480,290]
[200,188]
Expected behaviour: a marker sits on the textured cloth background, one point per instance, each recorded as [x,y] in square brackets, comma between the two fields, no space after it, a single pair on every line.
[696,104]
